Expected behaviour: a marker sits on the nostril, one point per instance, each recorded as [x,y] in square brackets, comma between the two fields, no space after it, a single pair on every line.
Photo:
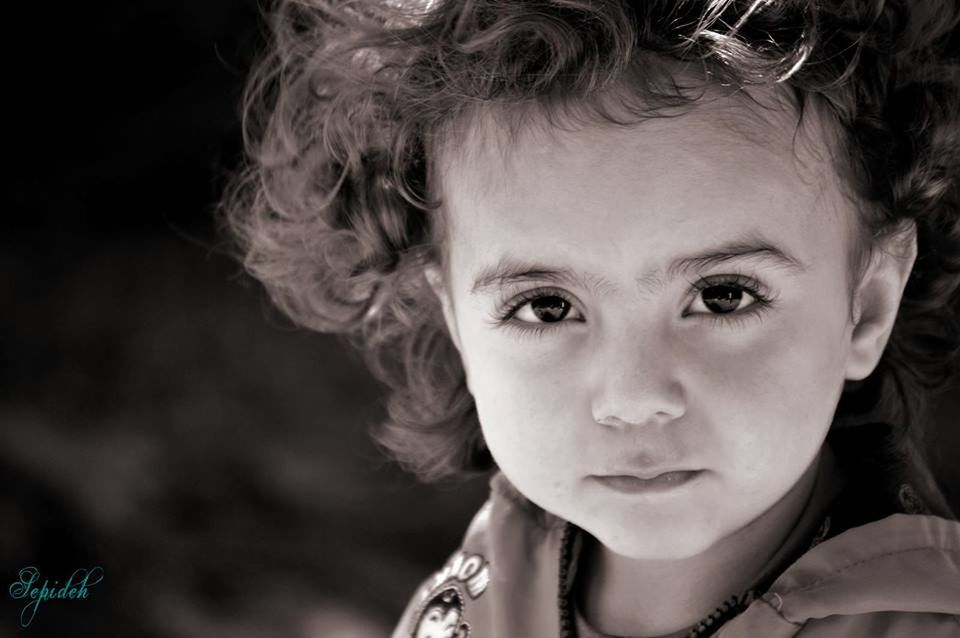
[621,401]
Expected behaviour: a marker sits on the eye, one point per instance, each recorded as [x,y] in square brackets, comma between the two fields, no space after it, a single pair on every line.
[727,295]
[724,299]
[538,310]
[545,309]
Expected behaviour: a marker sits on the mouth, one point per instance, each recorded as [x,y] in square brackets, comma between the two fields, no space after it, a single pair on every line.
[661,483]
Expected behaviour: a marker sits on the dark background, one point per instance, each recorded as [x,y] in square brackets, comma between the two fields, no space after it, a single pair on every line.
[156,417]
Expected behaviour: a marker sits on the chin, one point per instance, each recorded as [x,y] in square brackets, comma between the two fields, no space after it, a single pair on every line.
[641,543]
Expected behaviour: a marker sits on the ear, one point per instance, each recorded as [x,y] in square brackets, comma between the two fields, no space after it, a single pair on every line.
[877,300]
[438,283]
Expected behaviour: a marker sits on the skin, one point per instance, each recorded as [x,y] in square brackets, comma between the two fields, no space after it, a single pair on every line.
[640,371]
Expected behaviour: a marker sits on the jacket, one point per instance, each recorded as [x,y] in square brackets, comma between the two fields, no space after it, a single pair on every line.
[842,572]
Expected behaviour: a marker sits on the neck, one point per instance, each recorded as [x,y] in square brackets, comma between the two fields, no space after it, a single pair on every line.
[639,597]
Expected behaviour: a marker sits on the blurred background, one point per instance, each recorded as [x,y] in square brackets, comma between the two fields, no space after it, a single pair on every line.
[157,418]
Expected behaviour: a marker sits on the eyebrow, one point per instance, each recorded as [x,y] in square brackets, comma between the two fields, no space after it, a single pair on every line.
[513,271]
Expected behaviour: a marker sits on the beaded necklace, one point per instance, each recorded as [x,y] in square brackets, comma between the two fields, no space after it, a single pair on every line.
[707,626]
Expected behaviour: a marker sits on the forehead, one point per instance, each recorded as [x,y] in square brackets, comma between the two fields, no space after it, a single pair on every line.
[756,125]
[739,155]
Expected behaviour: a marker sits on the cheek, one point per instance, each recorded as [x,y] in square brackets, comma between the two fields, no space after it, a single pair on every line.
[781,394]
[523,399]
[795,356]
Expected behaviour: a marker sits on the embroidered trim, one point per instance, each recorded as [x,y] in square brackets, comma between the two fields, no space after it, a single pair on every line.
[435,612]
[472,570]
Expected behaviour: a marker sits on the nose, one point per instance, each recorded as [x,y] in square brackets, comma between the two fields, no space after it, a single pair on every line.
[636,381]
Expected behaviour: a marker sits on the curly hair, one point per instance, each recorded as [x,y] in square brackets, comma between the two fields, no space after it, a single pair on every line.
[344,115]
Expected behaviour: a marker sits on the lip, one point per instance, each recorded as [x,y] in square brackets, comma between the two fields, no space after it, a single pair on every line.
[660,483]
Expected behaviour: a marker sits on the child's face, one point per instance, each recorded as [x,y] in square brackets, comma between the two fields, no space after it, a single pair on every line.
[589,229]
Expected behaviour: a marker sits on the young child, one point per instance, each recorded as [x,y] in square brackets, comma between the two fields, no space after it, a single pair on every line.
[680,274]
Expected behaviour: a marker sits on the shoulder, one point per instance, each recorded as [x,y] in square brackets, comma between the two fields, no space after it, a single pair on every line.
[898,576]
[884,625]
[456,593]
[465,574]
[874,553]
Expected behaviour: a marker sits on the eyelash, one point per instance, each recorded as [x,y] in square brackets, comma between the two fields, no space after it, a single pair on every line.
[748,284]
[506,311]
[762,301]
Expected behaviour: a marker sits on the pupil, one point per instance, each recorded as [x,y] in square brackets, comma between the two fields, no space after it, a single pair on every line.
[549,309]
[722,299]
